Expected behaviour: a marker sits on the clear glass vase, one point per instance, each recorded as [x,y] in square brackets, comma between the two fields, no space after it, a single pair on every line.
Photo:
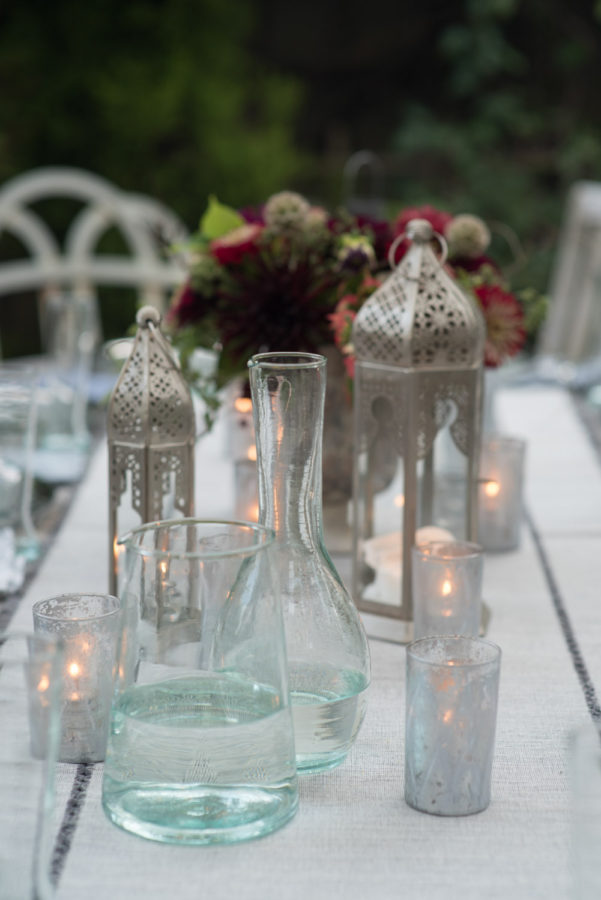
[201,744]
[328,653]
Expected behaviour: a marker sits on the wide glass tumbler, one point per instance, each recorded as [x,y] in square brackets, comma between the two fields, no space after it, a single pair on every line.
[31,668]
[201,743]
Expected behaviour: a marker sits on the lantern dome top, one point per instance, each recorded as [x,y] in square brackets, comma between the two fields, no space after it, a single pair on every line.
[151,404]
[420,231]
[148,315]
[419,317]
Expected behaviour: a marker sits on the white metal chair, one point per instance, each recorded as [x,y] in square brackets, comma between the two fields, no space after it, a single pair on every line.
[572,330]
[77,267]
[66,275]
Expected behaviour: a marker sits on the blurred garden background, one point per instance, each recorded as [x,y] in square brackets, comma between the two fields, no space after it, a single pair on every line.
[483,106]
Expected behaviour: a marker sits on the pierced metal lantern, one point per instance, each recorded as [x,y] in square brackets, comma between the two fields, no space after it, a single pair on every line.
[419,345]
[151,431]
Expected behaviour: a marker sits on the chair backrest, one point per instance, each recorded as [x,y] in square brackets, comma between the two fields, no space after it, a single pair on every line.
[572,330]
[363,177]
[75,266]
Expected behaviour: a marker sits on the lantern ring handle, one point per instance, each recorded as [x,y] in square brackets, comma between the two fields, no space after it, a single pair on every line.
[444,247]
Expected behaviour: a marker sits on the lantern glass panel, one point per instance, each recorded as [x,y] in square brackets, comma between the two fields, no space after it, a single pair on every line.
[413,481]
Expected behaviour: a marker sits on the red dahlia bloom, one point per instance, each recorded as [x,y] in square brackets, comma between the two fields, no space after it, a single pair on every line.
[474,264]
[504,318]
[234,246]
[187,307]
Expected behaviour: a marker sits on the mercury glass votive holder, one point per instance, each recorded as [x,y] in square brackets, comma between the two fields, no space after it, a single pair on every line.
[447,588]
[501,490]
[89,625]
[451,711]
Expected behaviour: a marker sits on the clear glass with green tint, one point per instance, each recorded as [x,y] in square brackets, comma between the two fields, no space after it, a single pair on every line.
[328,653]
[201,745]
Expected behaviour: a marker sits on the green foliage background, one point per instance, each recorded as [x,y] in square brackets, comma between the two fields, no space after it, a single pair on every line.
[517,121]
[160,97]
[489,106]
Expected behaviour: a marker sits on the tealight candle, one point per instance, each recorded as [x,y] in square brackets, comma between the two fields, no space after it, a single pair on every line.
[384,554]
[447,586]
[451,712]
[88,625]
[500,497]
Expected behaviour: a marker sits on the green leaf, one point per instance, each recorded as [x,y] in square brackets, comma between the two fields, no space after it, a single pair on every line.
[218,219]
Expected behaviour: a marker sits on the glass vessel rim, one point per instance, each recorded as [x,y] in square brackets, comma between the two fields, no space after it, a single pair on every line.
[418,652]
[427,550]
[41,609]
[496,441]
[287,360]
[264,538]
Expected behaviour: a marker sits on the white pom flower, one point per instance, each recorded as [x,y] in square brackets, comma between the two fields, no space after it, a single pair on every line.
[286,210]
[316,219]
[467,236]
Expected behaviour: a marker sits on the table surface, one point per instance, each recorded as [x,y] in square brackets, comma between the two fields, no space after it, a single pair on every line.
[354,836]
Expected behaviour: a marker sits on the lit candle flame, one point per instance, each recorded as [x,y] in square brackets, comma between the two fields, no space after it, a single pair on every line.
[252,453]
[163,566]
[447,587]
[43,684]
[243,404]
[492,488]
[74,669]
[399,500]
[448,716]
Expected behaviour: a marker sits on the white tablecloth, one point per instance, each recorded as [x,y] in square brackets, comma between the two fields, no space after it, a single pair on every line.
[354,837]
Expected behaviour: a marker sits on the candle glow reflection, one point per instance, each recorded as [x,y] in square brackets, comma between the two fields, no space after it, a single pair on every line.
[243,404]
[492,488]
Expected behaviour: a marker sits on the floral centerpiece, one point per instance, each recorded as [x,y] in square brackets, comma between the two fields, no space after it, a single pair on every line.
[270,279]
[292,276]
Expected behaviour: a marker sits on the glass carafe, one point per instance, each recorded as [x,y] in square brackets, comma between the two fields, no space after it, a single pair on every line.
[328,653]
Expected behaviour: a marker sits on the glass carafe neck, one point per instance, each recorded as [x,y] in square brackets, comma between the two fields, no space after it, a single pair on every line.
[288,391]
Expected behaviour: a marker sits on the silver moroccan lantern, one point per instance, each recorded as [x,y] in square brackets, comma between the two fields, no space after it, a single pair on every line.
[419,344]
[151,430]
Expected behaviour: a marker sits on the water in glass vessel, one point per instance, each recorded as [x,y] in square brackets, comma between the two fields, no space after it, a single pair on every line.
[199,760]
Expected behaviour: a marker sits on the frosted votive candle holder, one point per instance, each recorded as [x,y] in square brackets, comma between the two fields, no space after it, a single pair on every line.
[500,496]
[89,625]
[447,588]
[451,711]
